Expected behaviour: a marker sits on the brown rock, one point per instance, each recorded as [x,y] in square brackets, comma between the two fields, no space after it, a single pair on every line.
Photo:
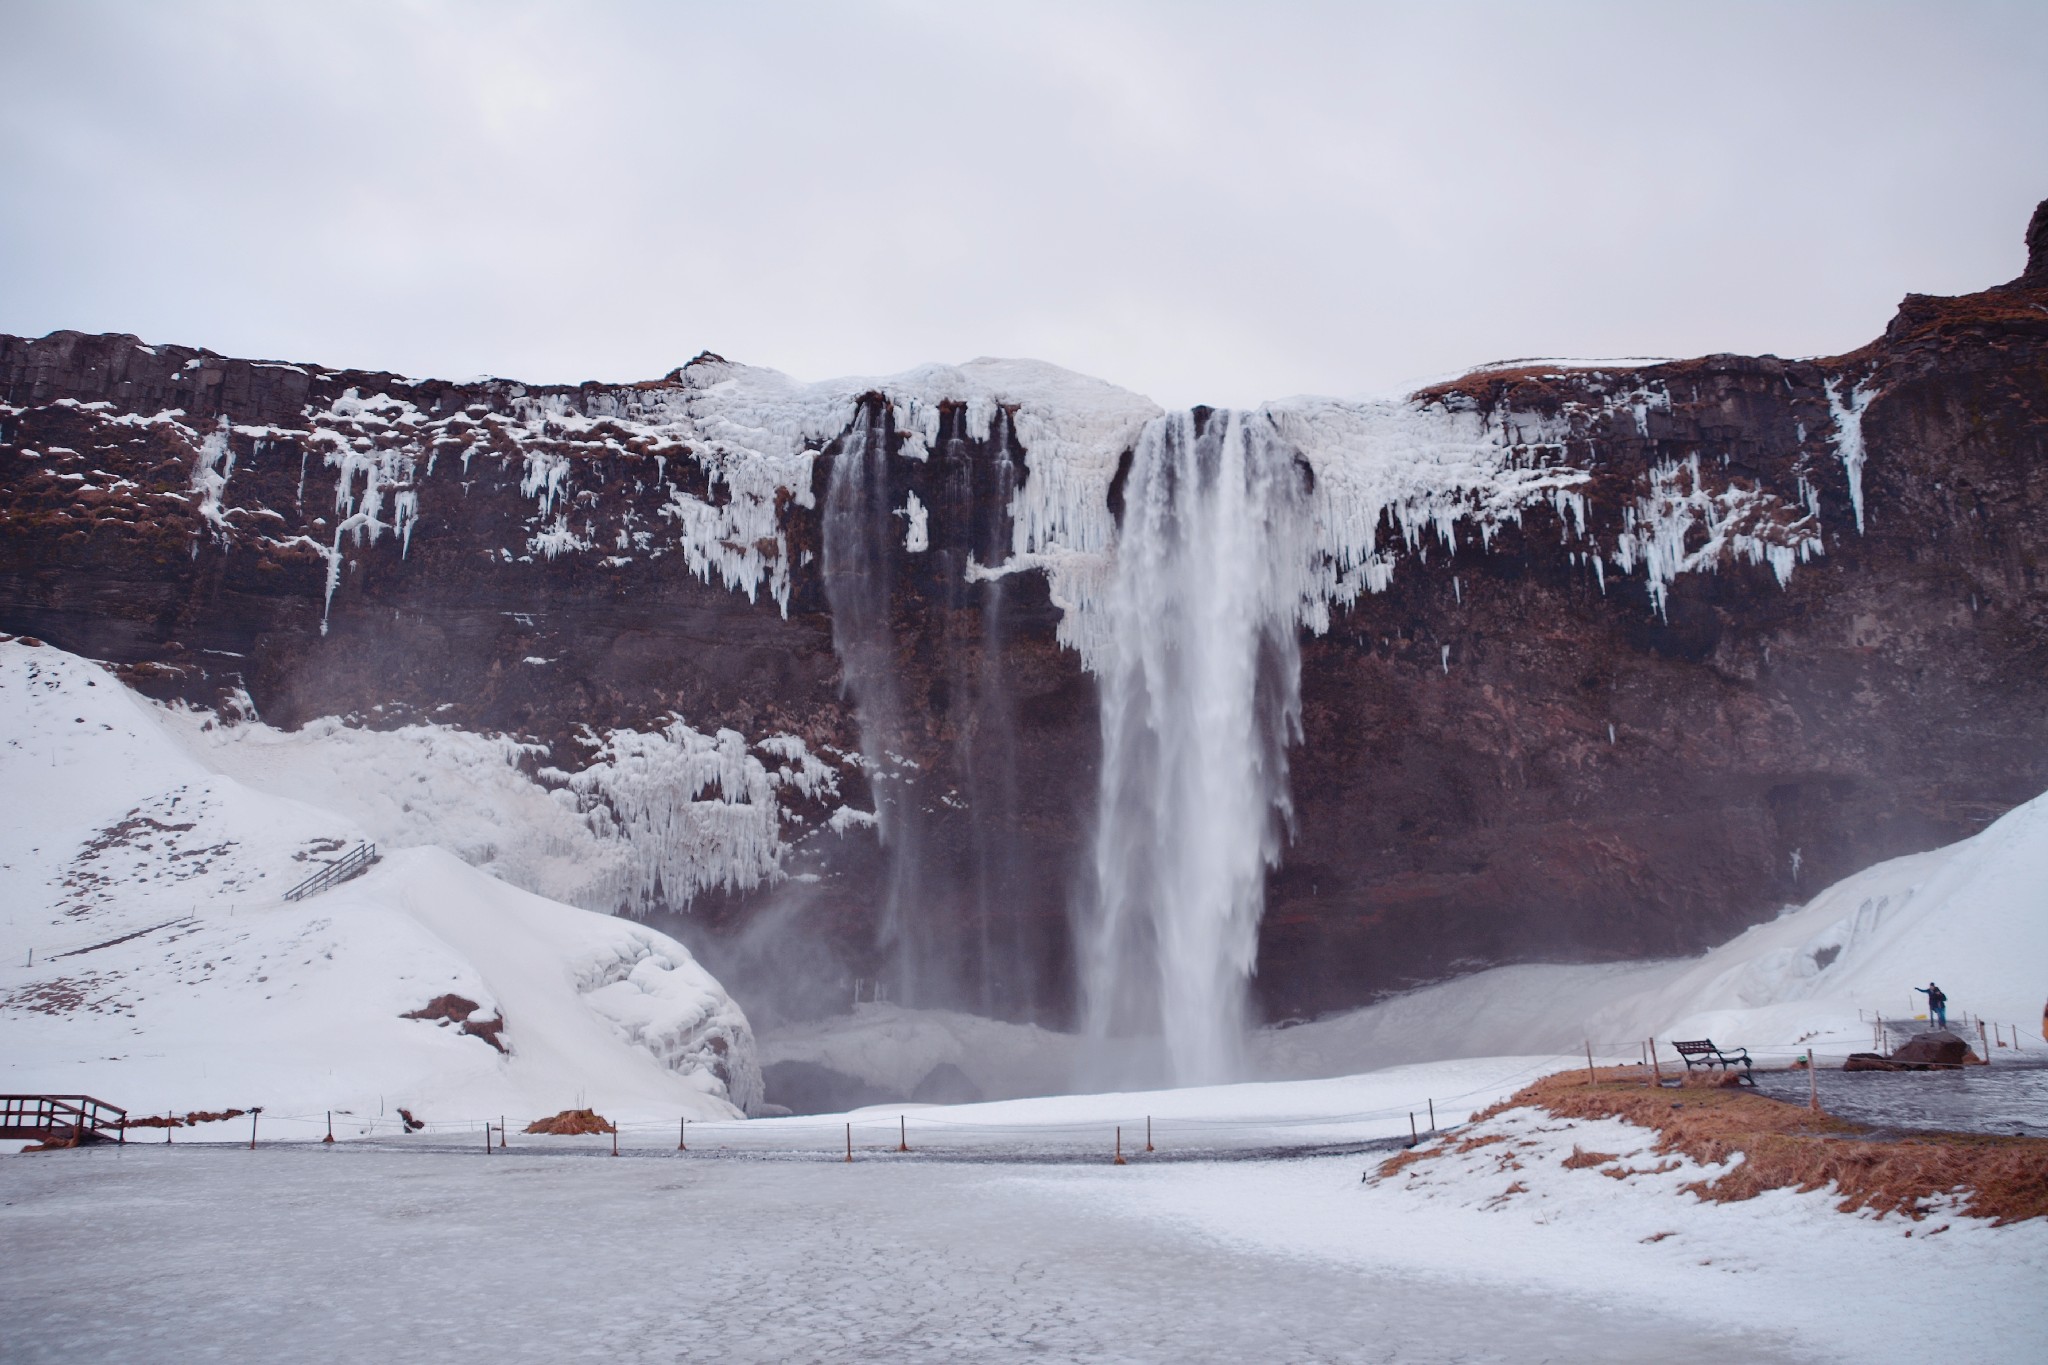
[1590,780]
[1937,1048]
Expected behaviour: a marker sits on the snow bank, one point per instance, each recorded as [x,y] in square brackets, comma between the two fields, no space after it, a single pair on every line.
[1972,916]
[1501,1209]
[168,973]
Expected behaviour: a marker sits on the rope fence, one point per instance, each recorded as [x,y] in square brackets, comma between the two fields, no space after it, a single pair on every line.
[913,1131]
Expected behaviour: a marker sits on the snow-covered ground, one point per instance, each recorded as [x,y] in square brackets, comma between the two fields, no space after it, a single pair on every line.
[151,959]
[551,1251]
[361,1256]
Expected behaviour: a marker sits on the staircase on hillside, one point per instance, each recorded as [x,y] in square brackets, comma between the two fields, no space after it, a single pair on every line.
[62,1120]
[335,873]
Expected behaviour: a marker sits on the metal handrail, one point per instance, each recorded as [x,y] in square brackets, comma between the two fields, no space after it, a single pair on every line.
[79,1117]
[354,864]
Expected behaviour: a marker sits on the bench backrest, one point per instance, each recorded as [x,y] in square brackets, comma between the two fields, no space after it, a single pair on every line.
[1693,1049]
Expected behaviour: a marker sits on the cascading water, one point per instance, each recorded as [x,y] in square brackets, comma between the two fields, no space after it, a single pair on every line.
[1200,699]
[858,582]
[952,931]
[1004,984]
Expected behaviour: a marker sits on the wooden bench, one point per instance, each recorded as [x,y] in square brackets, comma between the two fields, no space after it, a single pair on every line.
[1702,1052]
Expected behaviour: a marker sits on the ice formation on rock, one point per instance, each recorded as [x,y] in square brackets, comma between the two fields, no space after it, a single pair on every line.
[1848,414]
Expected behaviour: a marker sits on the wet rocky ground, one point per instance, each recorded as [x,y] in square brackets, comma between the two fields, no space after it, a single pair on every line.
[2010,1096]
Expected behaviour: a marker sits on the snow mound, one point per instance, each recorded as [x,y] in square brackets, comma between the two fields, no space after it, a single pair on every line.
[152,960]
[1972,916]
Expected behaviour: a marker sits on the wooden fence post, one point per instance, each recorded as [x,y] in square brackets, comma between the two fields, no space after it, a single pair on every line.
[1589,1062]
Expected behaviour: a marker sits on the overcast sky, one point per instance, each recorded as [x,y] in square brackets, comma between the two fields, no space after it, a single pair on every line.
[1204,203]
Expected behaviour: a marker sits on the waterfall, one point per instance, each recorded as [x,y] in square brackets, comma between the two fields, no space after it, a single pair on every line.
[1000,953]
[953,931]
[859,588]
[1200,699]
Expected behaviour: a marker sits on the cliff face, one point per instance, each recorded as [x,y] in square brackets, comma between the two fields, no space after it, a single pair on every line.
[1595,662]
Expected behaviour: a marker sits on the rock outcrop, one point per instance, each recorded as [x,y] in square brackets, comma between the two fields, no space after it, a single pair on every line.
[1598,662]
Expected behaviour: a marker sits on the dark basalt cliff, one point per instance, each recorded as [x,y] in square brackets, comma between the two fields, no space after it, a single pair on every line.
[1508,753]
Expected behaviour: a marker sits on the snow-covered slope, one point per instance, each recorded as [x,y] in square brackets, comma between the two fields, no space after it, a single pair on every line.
[1972,916]
[150,957]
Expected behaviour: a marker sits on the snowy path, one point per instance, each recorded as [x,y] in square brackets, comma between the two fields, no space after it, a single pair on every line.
[350,1254]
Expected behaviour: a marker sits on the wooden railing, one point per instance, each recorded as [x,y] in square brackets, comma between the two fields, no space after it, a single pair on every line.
[335,873]
[75,1119]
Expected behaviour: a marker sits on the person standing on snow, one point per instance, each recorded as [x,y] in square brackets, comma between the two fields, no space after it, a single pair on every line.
[1937,1003]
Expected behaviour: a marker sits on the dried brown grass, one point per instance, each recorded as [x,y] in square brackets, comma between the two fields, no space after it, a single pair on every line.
[1581,1158]
[1787,1147]
[572,1123]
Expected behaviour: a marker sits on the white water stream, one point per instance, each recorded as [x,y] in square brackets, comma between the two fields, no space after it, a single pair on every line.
[1200,699]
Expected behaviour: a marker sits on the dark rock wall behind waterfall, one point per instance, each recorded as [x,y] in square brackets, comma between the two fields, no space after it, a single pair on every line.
[1893,696]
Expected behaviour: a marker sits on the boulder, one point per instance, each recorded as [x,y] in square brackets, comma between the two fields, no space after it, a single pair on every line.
[1937,1047]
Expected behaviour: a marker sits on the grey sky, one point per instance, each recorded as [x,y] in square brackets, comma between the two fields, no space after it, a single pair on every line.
[1204,203]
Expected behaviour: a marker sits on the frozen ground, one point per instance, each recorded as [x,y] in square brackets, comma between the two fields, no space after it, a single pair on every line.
[348,1255]
[553,1250]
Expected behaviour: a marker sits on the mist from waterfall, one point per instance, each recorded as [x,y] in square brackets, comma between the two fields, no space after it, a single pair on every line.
[1200,700]
[1005,982]
[953,929]
[858,585]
